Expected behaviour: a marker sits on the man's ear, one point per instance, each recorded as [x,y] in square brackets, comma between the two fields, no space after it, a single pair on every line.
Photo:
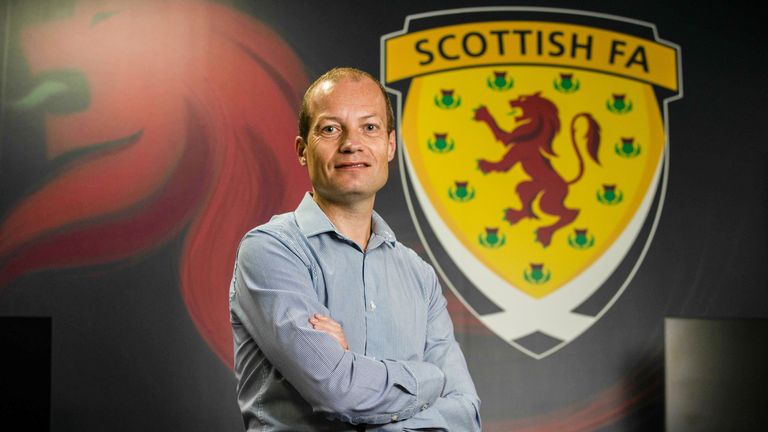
[391,145]
[301,149]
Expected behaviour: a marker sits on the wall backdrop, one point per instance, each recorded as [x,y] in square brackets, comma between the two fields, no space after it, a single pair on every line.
[575,176]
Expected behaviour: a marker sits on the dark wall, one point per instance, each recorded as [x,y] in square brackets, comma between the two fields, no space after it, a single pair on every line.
[137,339]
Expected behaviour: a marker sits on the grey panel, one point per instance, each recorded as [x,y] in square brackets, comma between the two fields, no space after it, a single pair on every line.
[716,375]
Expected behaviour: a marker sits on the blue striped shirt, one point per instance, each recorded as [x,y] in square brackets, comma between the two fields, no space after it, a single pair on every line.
[404,369]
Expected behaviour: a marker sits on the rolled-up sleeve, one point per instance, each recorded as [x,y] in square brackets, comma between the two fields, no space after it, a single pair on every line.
[273,298]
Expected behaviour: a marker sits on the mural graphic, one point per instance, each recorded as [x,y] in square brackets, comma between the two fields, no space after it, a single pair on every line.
[175,117]
[533,158]
[141,138]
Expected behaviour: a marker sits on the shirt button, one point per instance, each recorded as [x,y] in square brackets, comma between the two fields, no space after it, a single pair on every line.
[425,407]
[373,306]
[394,417]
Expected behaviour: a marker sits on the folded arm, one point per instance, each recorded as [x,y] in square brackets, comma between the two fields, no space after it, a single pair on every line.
[458,407]
[274,299]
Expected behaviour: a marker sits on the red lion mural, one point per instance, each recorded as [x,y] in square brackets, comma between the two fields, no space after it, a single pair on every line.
[185,121]
[529,144]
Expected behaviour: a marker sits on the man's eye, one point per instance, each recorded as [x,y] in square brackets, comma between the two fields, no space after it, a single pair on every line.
[370,127]
[329,129]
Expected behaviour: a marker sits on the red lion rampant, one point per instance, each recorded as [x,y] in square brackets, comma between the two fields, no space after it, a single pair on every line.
[530,144]
[185,124]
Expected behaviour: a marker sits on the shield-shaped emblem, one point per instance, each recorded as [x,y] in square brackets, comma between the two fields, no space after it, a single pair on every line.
[533,153]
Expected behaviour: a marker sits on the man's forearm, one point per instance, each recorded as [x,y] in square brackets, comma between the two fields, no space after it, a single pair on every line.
[420,390]
[459,412]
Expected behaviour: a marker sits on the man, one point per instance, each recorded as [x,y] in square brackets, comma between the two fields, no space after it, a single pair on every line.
[337,326]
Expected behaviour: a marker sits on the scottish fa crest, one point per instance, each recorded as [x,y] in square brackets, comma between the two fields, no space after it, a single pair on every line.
[533,154]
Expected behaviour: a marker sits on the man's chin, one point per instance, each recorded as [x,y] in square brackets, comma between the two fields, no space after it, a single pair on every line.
[346,197]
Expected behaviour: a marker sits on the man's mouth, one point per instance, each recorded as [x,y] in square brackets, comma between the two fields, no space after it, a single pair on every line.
[352,165]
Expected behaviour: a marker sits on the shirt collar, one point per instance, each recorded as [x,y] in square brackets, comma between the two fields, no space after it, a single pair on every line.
[312,221]
[381,230]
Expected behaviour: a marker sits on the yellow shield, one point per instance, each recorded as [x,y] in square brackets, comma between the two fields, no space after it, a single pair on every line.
[444,145]
[533,152]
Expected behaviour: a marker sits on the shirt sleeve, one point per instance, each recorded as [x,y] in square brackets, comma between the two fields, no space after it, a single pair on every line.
[273,298]
[458,407]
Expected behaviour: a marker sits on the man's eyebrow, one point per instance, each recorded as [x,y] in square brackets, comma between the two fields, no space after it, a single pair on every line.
[322,117]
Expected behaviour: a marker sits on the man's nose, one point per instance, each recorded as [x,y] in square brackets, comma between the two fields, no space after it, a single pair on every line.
[350,142]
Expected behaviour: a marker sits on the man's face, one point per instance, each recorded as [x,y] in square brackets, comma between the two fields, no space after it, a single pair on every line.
[348,147]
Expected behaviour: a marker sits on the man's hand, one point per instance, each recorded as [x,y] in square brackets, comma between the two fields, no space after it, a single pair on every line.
[326,324]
